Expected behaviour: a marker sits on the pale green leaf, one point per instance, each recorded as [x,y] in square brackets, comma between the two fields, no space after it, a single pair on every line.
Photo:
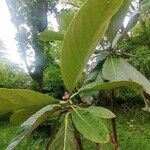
[84,32]
[90,126]
[118,69]
[32,123]
[19,99]
[100,112]
[116,21]
[48,36]
[65,138]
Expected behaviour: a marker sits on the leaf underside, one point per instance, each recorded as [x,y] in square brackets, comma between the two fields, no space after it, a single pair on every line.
[84,32]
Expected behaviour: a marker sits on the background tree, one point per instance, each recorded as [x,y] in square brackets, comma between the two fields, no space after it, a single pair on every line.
[30,18]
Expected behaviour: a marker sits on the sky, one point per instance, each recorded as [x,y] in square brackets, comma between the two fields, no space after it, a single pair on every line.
[7,33]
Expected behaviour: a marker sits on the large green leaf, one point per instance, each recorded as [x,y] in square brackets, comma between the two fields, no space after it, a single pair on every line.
[90,126]
[118,69]
[110,85]
[32,123]
[117,20]
[48,36]
[84,32]
[65,138]
[20,99]
[100,112]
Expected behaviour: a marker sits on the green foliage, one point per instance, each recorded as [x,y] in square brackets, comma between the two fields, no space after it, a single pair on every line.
[13,76]
[89,32]
[128,94]
[52,83]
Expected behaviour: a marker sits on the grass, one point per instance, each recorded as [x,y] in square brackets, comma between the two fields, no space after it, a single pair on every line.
[133,126]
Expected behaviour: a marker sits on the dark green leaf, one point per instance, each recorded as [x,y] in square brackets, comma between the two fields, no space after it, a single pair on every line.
[85,31]
[32,123]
